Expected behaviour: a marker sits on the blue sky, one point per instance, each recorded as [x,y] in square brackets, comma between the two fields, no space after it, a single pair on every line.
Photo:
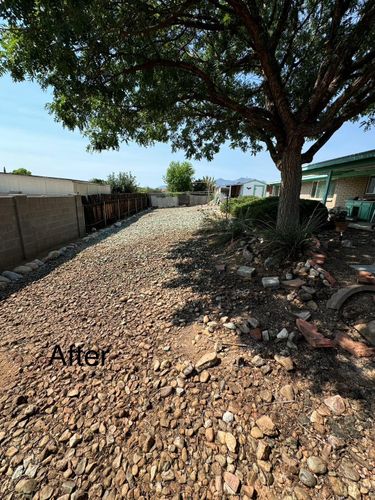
[30,138]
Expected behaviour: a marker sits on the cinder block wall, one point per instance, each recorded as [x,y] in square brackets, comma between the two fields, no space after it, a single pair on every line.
[30,226]
[344,190]
[348,188]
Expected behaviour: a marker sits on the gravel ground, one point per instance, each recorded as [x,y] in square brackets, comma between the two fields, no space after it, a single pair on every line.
[157,420]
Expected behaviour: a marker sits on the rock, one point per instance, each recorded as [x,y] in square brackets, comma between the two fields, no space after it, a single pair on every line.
[247,254]
[253,322]
[338,487]
[148,443]
[230,441]
[204,376]
[246,272]
[229,326]
[285,361]
[287,392]
[283,334]
[307,478]
[117,224]
[271,282]
[243,328]
[301,494]
[22,270]
[5,280]
[296,283]
[228,417]
[3,285]
[73,393]
[265,336]
[309,289]
[367,330]
[263,451]
[256,432]
[317,465]
[46,492]
[347,470]
[166,391]
[304,296]
[54,254]
[258,361]
[210,434]
[232,482]
[209,360]
[12,276]
[270,262]
[311,304]
[26,486]
[336,404]
[266,425]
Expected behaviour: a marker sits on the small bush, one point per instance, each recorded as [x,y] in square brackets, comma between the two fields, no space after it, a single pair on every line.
[264,210]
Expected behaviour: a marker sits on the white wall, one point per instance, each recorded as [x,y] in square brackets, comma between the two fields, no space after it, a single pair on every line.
[34,185]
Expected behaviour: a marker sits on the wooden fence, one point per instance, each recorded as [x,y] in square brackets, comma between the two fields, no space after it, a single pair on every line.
[103,209]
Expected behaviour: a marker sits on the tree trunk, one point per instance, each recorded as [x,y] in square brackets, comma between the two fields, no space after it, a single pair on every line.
[288,215]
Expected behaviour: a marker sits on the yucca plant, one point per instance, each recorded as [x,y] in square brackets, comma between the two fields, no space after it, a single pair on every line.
[291,243]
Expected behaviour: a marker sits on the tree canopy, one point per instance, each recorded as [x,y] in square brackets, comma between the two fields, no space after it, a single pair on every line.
[21,171]
[282,74]
[123,182]
[179,176]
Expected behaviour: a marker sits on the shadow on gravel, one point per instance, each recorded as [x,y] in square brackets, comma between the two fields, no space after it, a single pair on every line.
[226,294]
[49,266]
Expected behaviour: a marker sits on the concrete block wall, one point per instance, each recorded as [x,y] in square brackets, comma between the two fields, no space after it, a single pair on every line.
[349,188]
[344,190]
[30,226]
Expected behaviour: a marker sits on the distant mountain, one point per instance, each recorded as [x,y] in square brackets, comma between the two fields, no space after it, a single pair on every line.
[225,182]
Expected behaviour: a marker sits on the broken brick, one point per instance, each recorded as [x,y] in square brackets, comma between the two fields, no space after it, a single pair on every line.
[358,349]
[256,334]
[311,334]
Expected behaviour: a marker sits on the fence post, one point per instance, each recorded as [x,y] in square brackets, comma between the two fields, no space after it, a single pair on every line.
[128,206]
[118,208]
[104,214]
[136,205]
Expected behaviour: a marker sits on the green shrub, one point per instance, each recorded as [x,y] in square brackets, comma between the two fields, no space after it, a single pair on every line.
[264,210]
[234,204]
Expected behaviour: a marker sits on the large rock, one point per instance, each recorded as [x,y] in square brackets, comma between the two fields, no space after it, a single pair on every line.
[207,361]
[12,276]
[26,486]
[22,269]
[336,404]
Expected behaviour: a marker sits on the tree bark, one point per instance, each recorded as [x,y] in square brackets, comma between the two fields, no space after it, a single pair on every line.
[288,216]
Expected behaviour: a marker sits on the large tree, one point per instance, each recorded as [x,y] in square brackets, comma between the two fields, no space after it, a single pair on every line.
[280,74]
[179,176]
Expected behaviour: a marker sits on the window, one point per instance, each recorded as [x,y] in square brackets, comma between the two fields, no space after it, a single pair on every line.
[319,187]
[317,190]
[371,186]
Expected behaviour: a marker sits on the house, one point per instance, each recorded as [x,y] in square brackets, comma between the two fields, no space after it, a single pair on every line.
[36,185]
[347,183]
[240,187]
